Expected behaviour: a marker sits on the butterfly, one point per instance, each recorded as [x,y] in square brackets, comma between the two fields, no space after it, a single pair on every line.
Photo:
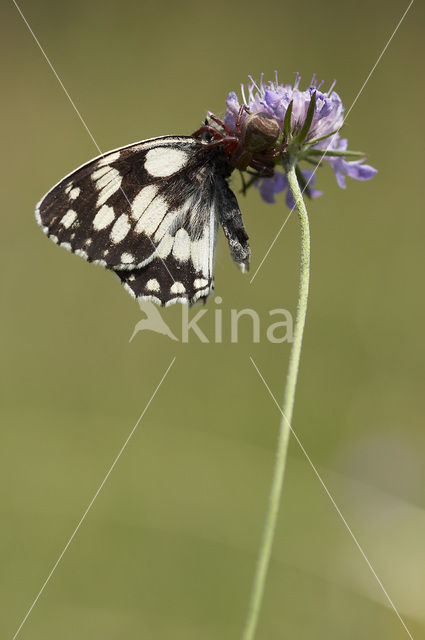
[150,211]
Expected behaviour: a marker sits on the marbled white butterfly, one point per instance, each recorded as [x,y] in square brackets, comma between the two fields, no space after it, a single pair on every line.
[150,211]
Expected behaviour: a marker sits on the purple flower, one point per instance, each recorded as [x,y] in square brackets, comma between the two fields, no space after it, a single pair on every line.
[268,187]
[354,169]
[322,135]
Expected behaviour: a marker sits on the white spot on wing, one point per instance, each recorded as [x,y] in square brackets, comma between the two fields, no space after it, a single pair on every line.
[165,246]
[103,217]
[69,217]
[108,185]
[109,158]
[199,283]
[178,287]
[127,258]
[106,178]
[99,172]
[162,162]
[199,254]
[120,228]
[152,285]
[181,247]
[202,251]
[166,224]
[143,200]
[74,193]
[152,216]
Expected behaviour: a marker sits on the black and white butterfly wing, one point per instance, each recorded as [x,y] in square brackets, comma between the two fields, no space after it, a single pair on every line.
[182,267]
[149,212]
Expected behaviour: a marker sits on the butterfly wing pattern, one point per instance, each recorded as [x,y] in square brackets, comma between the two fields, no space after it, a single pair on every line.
[150,213]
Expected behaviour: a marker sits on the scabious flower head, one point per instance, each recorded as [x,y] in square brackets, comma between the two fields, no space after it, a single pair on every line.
[310,121]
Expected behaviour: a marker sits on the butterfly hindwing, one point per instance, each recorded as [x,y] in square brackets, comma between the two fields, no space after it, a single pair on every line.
[149,212]
[181,271]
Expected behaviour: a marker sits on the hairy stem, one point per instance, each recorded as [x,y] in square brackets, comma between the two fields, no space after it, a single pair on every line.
[287,409]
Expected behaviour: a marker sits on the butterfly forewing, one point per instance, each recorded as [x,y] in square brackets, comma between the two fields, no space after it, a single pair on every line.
[149,212]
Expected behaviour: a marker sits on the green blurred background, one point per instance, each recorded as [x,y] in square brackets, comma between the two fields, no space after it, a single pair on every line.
[169,548]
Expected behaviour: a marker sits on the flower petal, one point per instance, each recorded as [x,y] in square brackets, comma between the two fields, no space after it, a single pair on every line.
[310,178]
[268,187]
[290,202]
[315,193]
[233,106]
[340,178]
[358,171]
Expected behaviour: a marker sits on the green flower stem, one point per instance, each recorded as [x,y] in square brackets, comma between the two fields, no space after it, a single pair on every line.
[287,408]
[334,154]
